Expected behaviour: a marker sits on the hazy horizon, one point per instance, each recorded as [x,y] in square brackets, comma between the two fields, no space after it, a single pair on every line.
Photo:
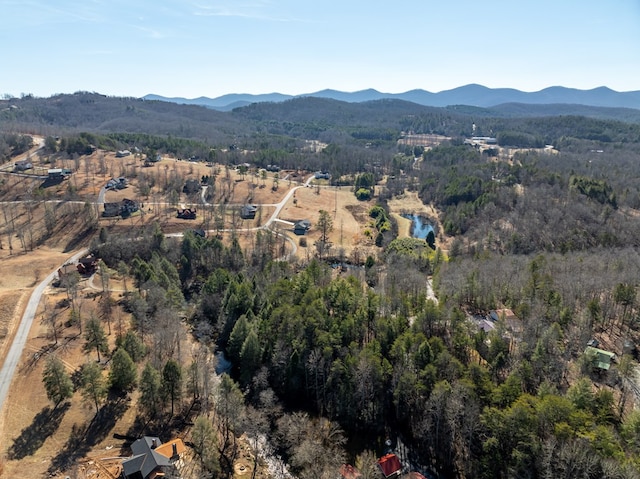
[211,48]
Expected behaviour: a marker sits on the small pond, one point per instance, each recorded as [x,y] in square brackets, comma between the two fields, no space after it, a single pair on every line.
[419,226]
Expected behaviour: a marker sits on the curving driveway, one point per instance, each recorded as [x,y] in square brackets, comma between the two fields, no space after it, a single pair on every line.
[13,356]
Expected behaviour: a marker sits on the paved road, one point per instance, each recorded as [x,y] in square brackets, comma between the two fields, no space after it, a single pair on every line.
[20,339]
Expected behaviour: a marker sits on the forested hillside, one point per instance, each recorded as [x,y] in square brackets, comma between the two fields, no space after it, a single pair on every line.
[540,227]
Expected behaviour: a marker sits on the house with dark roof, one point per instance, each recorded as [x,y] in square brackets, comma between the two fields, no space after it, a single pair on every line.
[248,212]
[152,459]
[125,208]
[301,227]
[23,165]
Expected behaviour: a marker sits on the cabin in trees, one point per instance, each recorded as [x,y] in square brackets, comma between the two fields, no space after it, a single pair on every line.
[322,175]
[248,212]
[152,459]
[600,359]
[122,153]
[511,321]
[513,325]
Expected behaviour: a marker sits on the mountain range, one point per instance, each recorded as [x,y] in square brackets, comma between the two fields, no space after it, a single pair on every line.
[472,95]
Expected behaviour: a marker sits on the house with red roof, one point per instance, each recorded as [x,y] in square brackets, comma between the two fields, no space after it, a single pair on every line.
[390,466]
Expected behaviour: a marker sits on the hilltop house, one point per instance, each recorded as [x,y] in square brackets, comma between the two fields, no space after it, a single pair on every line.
[152,459]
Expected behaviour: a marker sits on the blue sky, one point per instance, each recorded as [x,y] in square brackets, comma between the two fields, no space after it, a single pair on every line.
[194,48]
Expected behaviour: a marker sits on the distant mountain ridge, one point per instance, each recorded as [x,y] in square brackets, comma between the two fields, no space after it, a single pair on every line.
[472,95]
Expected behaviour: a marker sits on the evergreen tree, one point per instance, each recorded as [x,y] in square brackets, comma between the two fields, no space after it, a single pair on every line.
[203,437]
[250,357]
[123,374]
[150,390]
[172,382]
[95,337]
[57,381]
[94,387]
[132,344]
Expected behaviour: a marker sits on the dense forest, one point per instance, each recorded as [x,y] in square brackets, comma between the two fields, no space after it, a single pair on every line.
[330,366]
[384,361]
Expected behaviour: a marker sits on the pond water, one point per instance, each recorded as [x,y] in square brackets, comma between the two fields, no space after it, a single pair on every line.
[419,226]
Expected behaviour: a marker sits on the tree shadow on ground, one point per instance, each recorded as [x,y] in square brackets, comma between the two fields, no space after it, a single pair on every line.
[79,239]
[84,437]
[33,436]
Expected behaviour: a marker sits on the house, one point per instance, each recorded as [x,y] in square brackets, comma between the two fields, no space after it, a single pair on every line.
[511,321]
[152,459]
[23,165]
[322,175]
[128,207]
[122,153]
[301,227]
[55,174]
[390,465]
[187,214]
[248,212]
[485,325]
[125,208]
[117,183]
[600,359]
[87,265]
